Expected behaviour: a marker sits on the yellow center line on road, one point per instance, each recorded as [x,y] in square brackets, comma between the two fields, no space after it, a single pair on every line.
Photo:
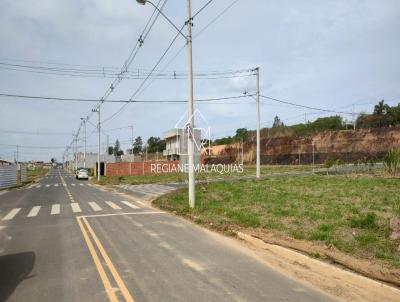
[106,282]
[109,263]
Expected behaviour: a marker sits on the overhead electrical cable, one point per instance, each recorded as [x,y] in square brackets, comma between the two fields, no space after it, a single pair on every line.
[304,106]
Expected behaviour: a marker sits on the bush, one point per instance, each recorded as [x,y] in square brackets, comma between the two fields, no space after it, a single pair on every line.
[392,160]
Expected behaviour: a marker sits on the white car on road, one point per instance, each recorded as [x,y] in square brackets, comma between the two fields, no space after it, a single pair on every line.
[82,173]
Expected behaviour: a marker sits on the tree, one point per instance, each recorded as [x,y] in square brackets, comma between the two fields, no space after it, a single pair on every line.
[155,144]
[241,134]
[110,150]
[117,149]
[53,160]
[381,108]
[137,145]
[277,122]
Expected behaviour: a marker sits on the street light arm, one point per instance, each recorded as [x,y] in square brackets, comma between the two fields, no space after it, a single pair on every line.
[143,2]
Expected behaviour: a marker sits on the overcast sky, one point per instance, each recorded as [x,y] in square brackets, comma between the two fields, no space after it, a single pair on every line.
[330,54]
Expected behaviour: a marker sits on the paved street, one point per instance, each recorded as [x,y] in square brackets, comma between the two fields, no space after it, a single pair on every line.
[66,240]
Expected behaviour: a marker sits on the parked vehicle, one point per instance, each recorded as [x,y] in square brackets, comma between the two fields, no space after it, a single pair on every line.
[82,173]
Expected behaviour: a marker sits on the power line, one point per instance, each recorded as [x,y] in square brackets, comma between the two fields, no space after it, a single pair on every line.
[304,106]
[144,81]
[162,56]
[34,133]
[123,101]
[130,75]
[195,36]
[201,9]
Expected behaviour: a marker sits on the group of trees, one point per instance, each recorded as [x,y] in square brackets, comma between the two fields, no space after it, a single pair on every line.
[242,134]
[383,116]
[153,144]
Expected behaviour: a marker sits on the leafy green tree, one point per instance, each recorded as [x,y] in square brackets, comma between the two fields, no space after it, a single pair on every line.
[241,134]
[155,144]
[110,150]
[381,108]
[277,122]
[117,149]
[137,145]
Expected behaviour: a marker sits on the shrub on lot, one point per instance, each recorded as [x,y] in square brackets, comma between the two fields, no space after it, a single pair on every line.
[392,160]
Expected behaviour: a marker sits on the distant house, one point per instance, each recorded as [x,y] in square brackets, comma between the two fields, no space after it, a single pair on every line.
[176,145]
[5,163]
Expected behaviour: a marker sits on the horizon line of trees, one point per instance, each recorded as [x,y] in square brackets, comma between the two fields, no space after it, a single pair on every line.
[153,145]
[383,115]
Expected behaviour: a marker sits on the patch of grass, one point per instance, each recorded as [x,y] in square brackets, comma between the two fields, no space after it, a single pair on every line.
[364,221]
[351,212]
[35,172]
[244,219]
[297,234]
[366,238]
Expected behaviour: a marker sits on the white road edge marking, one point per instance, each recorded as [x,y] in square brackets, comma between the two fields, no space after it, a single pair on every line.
[95,206]
[55,209]
[35,210]
[11,214]
[129,204]
[75,207]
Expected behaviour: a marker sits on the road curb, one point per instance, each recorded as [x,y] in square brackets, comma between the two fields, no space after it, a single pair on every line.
[318,267]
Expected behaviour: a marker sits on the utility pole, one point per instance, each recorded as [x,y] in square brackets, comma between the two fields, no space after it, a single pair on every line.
[258,124]
[190,123]
[76,151]
[98,141]
[354,119]
[84,151]
[242,151]
[17,154]
[130,165]
[108,143]
[313,156]
[191,182]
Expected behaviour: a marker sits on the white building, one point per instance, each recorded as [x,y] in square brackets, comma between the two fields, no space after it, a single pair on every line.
[176,141]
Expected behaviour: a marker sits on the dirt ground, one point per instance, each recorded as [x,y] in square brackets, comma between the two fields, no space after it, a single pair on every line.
[335,280]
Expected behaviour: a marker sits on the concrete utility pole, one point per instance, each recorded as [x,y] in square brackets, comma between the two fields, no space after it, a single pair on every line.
[98,141]
[76,151]
[130,165]
[313,156]
[108,143]
[84,150]
[190,124]
[258,124]
[190,109]
[242,151]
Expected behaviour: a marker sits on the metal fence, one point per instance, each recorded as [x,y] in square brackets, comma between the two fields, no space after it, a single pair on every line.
[23,173]
[8,176]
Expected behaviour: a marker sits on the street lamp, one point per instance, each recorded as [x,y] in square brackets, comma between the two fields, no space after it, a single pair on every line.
[190,125]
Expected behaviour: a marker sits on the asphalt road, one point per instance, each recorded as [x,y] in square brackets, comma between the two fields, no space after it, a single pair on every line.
[65,240]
